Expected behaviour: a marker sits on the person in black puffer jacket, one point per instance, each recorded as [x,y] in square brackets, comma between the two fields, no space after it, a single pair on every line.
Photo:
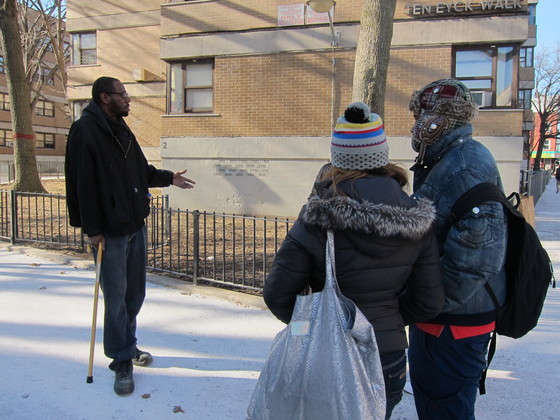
[387,258]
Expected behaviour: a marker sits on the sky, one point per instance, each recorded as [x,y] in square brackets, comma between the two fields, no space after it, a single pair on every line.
[548,13]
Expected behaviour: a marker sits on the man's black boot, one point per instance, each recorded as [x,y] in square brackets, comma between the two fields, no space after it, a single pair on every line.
[124,384]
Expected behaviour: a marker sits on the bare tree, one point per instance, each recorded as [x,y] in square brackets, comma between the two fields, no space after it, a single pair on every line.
[35,51]
[27,176]
[44,43]
[372,53]
[546,100]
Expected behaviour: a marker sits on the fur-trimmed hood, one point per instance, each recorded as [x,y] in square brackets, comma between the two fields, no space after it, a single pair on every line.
[395,215]
[344,213]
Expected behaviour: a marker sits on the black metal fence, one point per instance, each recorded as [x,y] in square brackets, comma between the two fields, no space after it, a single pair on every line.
[220,249]
[534,182]
[46,169]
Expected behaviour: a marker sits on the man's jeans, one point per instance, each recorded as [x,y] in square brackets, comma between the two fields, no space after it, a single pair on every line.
[123,281]
[394,374]
[445,373]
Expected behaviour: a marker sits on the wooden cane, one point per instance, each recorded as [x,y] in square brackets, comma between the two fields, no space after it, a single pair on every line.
[89,379]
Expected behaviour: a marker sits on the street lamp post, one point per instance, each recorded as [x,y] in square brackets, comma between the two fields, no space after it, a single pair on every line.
[325,6]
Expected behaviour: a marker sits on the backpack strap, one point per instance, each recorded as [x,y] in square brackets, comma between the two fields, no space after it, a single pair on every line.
[491,351]
[478,195]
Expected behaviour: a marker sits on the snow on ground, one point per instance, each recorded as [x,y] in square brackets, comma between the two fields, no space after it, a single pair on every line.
[208,350]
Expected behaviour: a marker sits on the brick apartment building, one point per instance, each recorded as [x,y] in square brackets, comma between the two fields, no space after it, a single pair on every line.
[243,93]
[50,118]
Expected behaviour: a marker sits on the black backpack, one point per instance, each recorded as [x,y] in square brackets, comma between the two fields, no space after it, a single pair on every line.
[529,271]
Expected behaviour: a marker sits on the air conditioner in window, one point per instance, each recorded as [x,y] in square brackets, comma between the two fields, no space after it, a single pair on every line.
[143,75]
[482,98]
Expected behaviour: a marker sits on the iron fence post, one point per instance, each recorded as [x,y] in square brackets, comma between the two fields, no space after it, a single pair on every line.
[13,217]
[196,244]
[82,240]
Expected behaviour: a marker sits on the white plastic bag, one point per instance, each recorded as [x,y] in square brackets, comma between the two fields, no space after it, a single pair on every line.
[325,364]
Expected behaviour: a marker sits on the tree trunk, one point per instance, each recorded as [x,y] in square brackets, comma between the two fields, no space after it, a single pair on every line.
[373,52]
[543,128]
[27,176]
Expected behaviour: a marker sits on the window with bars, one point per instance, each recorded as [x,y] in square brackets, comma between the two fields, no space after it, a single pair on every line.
[44,108]
[44,140]
[2,66]
[84,48]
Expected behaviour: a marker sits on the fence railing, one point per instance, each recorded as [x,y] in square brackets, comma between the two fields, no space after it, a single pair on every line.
[534,182]
[53,169]
[220,249]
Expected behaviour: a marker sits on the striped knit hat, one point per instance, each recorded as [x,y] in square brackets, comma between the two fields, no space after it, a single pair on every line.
[358,141]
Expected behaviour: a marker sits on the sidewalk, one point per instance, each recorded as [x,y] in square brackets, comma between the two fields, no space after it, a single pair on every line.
[208,351]
[209,346]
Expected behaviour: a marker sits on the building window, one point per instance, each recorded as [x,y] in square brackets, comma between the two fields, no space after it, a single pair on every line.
[44,140]
[525,96]
[47,76]
[526,56]
[6,138]
[546,144]
[2,65]
[191,87]
[532,8]
[5,104]
[77,109]
[84,48]
[489,73]
[44,108]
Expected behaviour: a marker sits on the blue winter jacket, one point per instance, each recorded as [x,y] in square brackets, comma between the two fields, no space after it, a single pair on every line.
[473,249]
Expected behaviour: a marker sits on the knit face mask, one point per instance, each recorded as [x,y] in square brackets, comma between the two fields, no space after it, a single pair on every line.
[438,109]
[429,128]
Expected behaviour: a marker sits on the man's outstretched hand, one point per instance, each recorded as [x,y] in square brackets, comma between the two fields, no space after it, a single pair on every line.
[182,182]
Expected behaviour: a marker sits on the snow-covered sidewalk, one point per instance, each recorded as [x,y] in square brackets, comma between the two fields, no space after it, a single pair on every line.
[209,346]
[208,351]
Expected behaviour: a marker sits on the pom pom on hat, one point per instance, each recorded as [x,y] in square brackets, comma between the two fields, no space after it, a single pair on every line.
[357,112]
[359,141]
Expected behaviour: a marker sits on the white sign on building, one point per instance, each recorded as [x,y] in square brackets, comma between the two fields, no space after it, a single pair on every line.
[291,14]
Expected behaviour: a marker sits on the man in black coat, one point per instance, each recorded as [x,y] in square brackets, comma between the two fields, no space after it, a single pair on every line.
[107,181]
